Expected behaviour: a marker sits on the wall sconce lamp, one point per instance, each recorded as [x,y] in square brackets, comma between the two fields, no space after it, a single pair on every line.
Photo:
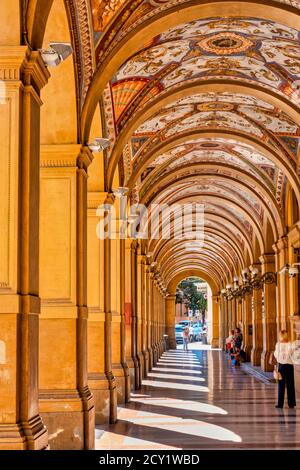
[250,281]
[291,270]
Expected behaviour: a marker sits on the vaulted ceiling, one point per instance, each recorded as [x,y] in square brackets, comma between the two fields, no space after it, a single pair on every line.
[200,101]
[206,112]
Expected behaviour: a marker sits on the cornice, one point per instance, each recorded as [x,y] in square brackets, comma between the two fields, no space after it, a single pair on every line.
[11,60]
[96,198]
[59,156]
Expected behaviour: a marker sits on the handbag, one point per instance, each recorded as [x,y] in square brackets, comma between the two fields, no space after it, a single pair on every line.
[276,374]
[272,359]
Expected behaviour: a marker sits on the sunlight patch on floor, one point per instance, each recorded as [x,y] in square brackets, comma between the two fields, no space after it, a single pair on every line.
[183,405]
[180,425]
[170,369]
[177,386]
[174,376]
[114,441]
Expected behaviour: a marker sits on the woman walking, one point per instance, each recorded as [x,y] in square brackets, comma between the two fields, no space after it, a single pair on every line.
[283,353]
[186,337]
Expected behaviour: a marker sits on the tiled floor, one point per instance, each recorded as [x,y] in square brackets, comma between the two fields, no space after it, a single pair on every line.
[197,400]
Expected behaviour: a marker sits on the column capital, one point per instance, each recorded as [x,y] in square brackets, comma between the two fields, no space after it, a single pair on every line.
[293,235]
[171,298]
[34,70]
[281,244]
[141,259]
[96,199]
[59,156]
[84,158]
[267,258]
[19,63]
[134,245]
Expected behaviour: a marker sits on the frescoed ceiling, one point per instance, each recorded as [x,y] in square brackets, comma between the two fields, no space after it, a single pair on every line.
[220,110]
[249,49]
[234,151]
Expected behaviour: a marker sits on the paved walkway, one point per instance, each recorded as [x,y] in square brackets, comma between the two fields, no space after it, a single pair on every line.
[197,400]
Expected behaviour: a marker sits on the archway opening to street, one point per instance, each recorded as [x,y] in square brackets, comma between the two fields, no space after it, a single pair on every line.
[191,309]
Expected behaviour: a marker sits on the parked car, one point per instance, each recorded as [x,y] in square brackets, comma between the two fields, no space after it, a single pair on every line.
[197,331]
[179,334]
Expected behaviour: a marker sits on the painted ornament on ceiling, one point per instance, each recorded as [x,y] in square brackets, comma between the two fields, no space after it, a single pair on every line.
[250,49]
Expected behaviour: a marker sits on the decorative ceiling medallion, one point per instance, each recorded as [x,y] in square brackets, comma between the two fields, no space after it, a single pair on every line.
[225,44]
[215,106]
[209,145]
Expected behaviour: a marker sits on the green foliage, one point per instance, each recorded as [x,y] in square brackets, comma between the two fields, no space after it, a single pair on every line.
[187,293]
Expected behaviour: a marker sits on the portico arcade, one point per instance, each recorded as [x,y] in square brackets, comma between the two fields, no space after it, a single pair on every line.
[200,103]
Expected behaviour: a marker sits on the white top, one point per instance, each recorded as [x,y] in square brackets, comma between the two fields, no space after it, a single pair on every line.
[284,352]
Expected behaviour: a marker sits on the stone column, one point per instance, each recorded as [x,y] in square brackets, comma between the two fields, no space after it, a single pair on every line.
[240,312]
[128,312]
[134,324]
[247,325]
[295,336]
[155,345]
[293,282]
[108,324]
[149,315]
[227,326]
[215,322]
[234,314]
[268,313]
[230,314]
[282,290]
[142,314]
[152,317]
[101,384]
[170,320]
[221,323]
[22,75]
[127,384]
[66,403]
[145,317]
[119,366]
[257,333]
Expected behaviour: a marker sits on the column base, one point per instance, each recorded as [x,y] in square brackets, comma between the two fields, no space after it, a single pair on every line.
[121,382]
[127,383]
[31,435]
[256,356]
[172,343]
[155,354]
[131,372]
[264,361]
[146,362]
[142,366]
[137,373]
[70,419]
[214,343]
[248,350]
[105,398]
[150,357]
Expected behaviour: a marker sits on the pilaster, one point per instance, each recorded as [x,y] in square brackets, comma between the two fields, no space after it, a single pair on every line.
[23,74]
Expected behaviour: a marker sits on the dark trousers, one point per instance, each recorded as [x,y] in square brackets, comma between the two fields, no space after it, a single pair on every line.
[287,374]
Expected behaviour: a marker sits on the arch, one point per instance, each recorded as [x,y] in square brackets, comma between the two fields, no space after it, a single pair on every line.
[184,90]
[36,18]
[262,147]
[231,226]
[161,249]
[168,178]
[184,273]
[143,32]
